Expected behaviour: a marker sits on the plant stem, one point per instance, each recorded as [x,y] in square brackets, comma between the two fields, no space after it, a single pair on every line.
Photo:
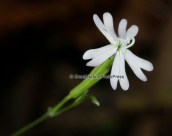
[102,69]
[66,108]
[42,118]
[29,126]
[60,104]
[45,116]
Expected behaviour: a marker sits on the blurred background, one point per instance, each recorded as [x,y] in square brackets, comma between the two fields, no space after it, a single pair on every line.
[42,43]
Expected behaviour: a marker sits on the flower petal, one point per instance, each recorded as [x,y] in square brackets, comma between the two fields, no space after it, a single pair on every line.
[96,52]
[118,72]
[102,28]
[132,31]
[123,81]
[115,71]
[134,66]
[102,57]
[122,28]
[144,64]
[108,22]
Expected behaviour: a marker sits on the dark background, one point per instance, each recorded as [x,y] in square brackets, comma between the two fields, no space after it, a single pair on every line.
[42,42]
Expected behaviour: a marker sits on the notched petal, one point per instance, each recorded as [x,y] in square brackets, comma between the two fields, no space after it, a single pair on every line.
[123,81]
[103,28]
[115,71]
[96,52]
[134,66]
[101,58]
[108,22]
[132,31]
[122,28]
[144,64]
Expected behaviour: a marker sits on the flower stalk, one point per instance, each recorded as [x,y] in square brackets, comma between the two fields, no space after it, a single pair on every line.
[79,93]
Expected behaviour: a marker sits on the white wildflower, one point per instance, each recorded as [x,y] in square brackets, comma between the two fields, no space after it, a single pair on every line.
[118,46]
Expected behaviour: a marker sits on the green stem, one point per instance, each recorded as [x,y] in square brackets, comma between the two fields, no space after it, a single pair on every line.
[29,126]
[45,116]
[102,69]
[42,118]
[60,104]
[66,108]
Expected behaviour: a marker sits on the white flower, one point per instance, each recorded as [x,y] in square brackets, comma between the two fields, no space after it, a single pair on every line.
[118,46]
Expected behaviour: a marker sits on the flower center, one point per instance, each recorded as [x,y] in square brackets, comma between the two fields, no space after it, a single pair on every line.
[119,47]
[123,44]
